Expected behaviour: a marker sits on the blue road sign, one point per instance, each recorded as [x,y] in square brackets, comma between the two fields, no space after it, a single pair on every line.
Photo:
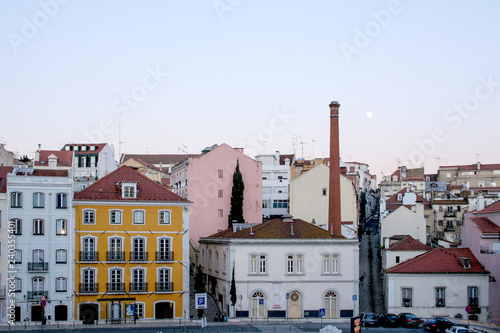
[354,297]
[321,312]
[201,300]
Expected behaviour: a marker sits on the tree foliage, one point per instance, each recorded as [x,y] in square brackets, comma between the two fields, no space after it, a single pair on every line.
[232,291]
[199,281]
[236,212]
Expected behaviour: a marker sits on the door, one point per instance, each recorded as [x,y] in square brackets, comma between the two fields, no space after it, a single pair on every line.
[295,305]
[115,311]
[330,304]
[88,249]
[60,313]
[164,310]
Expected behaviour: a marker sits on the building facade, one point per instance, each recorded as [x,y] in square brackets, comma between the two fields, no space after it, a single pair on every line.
[4,249]
[276,173]
[282,268]
[40,223]
[475,175]
[132,250]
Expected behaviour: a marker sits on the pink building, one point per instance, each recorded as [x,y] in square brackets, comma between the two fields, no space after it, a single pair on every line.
[481,233]
[207,181]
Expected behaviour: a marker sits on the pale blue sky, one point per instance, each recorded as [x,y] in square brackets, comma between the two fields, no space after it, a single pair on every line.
[235,66]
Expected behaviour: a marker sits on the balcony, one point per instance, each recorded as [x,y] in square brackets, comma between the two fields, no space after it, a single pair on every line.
[38,266]
[138,287]
[89,256]
[36,295]
[89,288]
[139,256]
[115,287]
[164,256]
[115,256]
[163,287]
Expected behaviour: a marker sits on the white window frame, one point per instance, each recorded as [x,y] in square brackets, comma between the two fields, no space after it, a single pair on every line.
[165,217]
[134,217]
[89,216]
[38,227]
[61,201]
[16,200]
[129,190]
[38,200]
[115,216]
[61,227]
[61,256]
[61,284]
[331,264]
[407,293]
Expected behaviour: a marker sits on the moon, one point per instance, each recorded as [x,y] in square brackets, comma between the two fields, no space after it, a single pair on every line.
[369,114]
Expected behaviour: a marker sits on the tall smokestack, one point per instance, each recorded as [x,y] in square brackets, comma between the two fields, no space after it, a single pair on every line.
[334,217]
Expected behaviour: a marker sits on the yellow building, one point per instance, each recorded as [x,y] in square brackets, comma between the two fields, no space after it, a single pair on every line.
[132,249]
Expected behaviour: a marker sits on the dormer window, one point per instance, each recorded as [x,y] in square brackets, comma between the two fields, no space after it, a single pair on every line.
[129,190]
[465,262]
[400,197]
[92,148]
[52,162]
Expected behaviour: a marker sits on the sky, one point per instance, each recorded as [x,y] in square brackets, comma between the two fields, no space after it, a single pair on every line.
[418,82]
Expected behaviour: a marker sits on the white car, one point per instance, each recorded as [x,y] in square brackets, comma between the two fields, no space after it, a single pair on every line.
[458,329]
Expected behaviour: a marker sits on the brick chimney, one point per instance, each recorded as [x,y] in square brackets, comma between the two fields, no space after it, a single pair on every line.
[334,217]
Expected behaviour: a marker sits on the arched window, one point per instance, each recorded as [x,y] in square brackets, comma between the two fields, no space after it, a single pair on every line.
[138,284]
[330,304]
[258,304]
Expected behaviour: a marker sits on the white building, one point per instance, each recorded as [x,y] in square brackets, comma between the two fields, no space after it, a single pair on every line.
[4,250]
[439,283]
[282,268]
[404,221]
[276,173]
[92,161]
[402,248]
[41,219]
[309,199]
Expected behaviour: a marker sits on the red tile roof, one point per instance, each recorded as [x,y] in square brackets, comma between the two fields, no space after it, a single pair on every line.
[64,158]
[440,261]
[409,243]
[494,207]
[4,170]
[472,167]
[277,229]
[107,188]
[485,225]
[394,197]
[158,158]
[449,202]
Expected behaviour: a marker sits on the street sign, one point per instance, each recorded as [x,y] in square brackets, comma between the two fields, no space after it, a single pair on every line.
[43,298]
[43,303]
[468,309]
[287,295]
[354,298]
[321,312]
[201,300]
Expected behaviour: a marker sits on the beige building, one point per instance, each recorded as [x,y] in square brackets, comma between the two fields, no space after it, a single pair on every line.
[309,199]
[149,170]
[6,157]
[475,175]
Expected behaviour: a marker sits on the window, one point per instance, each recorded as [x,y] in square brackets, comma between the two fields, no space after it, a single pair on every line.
[323,192]
[16,200]
[61,201]
[280,204]
[138,217]
[224,263]
[38,255]
[164,253]
[397,259]
[330,264]
[216,261]
[449,209]
[138,249]
[61,227]
[220,193]
[115,217]
[440,297]
[164,217]
[61,256]
[18,256]
[258,264]
[115,250]
[37,285]
[448,175]
[407,297]
[15,227]
[138,284]
[115,281]
[129,190]
[88,250]
[440,223]
[330,304]
[220,212]
[61,284]
[258,308]
[163,284]
[295,264]
[88,281]
[37,227]
[89,216]
[18,285]
[139,310]
[220,173]
[473,297]
[38,200]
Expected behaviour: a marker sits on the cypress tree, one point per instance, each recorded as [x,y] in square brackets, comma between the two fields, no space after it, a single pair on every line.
[232,291]
[236,212]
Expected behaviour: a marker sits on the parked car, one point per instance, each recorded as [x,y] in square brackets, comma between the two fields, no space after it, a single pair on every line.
[458,329]
[406,319]
[437,324]
[389,320]
[369,319]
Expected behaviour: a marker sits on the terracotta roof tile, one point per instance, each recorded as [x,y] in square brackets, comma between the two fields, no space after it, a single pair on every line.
[4,170]
[494,207]
[408,243]
[277,229]
[64,158]
[106,188]
[440,261]
[485,225]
